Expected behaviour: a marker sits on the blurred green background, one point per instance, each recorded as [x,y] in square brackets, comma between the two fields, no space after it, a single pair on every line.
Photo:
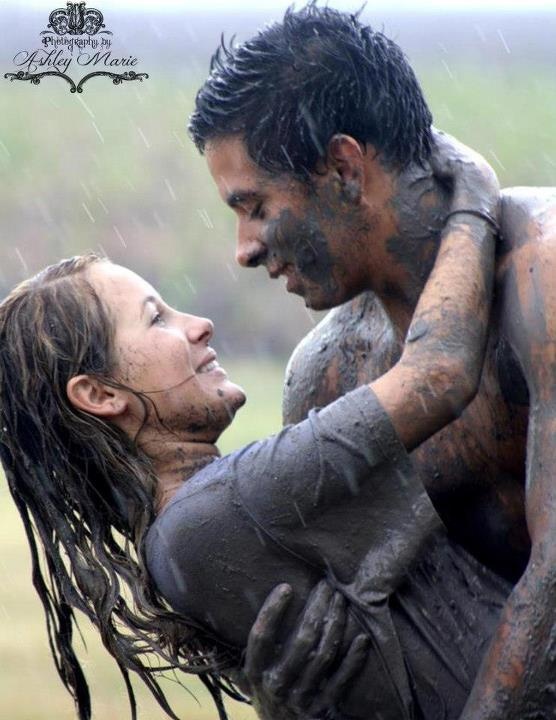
[113,170]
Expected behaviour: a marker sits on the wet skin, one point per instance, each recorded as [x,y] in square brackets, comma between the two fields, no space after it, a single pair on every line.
[475,469]
[344,235]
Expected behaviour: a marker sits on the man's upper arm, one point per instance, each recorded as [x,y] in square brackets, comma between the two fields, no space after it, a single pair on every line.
[529,317]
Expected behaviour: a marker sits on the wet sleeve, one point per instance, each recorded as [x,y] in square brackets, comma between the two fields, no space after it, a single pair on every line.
[321,498]
[336,485]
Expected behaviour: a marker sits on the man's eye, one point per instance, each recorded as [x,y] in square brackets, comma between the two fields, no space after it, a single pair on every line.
[257,213]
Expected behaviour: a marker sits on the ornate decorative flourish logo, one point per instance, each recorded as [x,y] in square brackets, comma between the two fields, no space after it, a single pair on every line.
[74,29]
[75,20]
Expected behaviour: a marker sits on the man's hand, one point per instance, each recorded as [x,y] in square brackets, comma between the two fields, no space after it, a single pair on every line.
[303,678]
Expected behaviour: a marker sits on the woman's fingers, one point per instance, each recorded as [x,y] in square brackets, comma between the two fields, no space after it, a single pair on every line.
[262,641]
[475,185]
[300,646]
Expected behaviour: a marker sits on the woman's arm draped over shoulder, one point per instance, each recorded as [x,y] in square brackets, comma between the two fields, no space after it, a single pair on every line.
[438,373]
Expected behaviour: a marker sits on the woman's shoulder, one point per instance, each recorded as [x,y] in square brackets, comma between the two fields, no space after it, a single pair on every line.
[209,561]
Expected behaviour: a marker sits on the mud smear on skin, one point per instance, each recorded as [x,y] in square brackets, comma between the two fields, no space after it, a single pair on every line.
[420,209]
[304,240]
[301,243]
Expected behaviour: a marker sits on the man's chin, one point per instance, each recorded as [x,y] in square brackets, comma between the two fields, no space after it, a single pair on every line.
[314,297]
[317,303]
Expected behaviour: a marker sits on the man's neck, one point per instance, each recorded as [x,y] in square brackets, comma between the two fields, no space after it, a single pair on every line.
[419,206]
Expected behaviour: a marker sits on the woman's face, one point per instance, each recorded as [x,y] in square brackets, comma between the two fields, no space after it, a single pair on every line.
[165,355]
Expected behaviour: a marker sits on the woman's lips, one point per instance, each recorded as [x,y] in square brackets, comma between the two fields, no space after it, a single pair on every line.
[210,366]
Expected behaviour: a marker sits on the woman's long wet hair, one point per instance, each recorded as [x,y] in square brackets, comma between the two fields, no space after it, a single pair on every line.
[85,492]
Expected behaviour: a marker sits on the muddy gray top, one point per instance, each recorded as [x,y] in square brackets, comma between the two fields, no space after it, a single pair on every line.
[334,496]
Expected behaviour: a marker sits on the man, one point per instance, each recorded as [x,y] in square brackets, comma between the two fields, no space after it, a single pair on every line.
[317,135]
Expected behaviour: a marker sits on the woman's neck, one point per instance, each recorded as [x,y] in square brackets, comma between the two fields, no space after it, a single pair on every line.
[175,463]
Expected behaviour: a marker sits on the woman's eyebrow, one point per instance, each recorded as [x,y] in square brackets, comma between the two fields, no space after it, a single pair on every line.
[146,301]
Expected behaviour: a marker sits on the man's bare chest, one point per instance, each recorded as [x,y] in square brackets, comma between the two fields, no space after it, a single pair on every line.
[473,469]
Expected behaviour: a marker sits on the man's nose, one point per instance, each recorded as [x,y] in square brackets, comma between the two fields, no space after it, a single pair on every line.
[250,250]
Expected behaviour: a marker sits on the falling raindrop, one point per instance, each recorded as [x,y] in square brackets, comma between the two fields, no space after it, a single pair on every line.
[178,575]
[496,158]
[101,138]
[102,205]
[88,212]
[503,40]
[4,149]
[87,108]
[22,260]
[190,284]
[232,271]
[203,214]
[143,138]
[481,33]
[85,189]
[178,139]
[260,536]
[119,235]
[298,511]
[310,316]
[158,220]
[170,189]
[447,68]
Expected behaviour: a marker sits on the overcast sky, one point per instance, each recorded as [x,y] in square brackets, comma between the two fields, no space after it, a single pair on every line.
[231,5]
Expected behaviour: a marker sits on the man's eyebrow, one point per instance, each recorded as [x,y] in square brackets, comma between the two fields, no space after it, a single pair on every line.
[239,197]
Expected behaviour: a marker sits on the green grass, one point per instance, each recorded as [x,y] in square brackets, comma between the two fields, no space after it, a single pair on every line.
[29,686]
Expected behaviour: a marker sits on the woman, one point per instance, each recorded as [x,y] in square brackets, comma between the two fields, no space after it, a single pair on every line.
[110,400]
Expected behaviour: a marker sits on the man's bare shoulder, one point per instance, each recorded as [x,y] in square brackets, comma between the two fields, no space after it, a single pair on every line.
[527,214]
[353,344]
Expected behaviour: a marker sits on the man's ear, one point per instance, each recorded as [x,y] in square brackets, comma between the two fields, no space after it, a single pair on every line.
[346,158]
[87,393]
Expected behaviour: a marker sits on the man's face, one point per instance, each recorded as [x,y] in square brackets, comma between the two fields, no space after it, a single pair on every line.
[310,234]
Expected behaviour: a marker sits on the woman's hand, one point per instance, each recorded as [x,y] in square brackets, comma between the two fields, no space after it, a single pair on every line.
[301,679]
[473,182]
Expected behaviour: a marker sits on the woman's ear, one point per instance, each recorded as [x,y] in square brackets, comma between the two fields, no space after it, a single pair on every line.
[87,393]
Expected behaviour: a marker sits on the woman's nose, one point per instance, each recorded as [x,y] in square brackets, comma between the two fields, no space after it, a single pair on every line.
[199,329]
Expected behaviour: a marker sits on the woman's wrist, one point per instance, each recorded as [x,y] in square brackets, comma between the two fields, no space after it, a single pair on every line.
[439,371]
[424,394]
[472,212]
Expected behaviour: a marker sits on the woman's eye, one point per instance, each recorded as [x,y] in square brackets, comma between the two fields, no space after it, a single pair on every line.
[157,319]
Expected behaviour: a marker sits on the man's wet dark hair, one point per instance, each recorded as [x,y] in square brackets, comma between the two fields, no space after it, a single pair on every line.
[297,83]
